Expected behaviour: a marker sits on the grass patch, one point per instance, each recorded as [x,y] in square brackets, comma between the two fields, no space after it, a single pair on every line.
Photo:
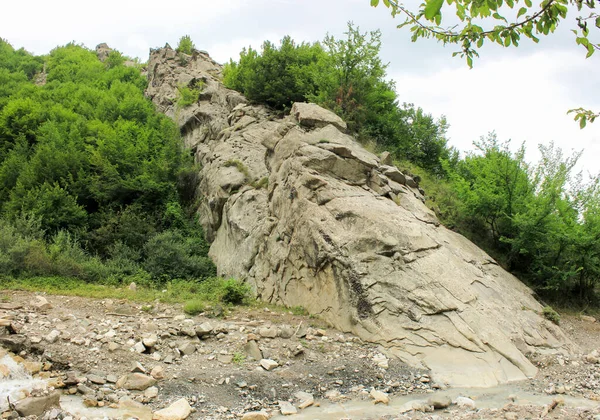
[213,290]
[239,358]
[298,310]
[261,183]
[239,165]
[194,307]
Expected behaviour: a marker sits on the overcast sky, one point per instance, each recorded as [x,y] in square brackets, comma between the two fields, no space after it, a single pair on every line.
[523,94]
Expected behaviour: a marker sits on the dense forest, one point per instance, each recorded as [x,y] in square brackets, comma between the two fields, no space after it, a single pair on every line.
[540,221]
[95,183]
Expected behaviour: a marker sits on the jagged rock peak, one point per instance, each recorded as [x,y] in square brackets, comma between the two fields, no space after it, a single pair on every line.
[103,51]
[303,213]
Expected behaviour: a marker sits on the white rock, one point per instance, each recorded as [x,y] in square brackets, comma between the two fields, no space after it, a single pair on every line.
[52,336]
[268,364]
[379,396]
[179,410]
[151,392]
[381,361]
[464,402]
[287,409]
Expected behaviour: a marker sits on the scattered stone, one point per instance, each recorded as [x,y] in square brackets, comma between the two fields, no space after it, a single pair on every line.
[306,399]
[268,332]
[96,379]
[588,318]
[158,373]
[386,159]
[52,336]
[381,361]
[464,402]
[112,346]
[252,350]
[225,358]
[203,329]
[439,402]
[137,367]
[268,364]
[36,406]
[179,410]
[139,347]
[135,381]
[133,287]
[187,348]
[379,396]
[256,415]
[32,367]
[151,392]
[287,409]
[286,332]
[41,304]
[150,341]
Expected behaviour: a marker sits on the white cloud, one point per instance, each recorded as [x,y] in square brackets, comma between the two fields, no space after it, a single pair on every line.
[523,98]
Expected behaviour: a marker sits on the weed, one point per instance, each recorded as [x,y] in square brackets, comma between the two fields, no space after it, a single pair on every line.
[551,315]
[194,307]
[147,308]
[323,141]
[239,358]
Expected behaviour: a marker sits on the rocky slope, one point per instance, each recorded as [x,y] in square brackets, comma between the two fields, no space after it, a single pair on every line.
[299,210]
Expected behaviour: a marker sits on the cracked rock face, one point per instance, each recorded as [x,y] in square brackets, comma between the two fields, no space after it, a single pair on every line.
[299,210]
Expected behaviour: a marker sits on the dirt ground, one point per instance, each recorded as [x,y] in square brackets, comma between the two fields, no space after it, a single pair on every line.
[209,360]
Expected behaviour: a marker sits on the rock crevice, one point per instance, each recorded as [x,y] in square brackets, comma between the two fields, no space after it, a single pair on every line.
[305,215]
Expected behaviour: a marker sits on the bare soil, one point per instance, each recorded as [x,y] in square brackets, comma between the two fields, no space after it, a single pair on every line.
[221,380]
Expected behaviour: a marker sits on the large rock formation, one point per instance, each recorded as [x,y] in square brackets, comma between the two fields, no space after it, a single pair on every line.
[299,210]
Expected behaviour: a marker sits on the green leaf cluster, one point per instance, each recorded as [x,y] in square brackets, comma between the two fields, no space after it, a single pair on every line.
[347,76]
[541,222]
[186,45]
[87,156]
[488,21]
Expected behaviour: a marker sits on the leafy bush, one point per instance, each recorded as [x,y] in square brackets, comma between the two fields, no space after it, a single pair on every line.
[347,76]
[169,255]
[234,292]
[185,45]
[277,76]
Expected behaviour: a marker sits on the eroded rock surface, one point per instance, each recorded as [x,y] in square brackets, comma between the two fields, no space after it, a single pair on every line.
[308,217]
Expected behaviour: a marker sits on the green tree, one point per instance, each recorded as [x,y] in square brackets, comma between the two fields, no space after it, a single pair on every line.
[89,158]
[186,45]
[486,21]
[277,76]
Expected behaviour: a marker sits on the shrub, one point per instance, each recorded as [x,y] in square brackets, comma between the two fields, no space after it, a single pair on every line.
[169,256]
[185,45]
[187,96]
[235,292]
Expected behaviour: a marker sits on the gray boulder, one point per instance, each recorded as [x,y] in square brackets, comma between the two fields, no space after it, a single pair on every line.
[315,221]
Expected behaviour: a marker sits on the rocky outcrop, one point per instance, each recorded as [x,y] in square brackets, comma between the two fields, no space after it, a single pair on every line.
[299,210]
